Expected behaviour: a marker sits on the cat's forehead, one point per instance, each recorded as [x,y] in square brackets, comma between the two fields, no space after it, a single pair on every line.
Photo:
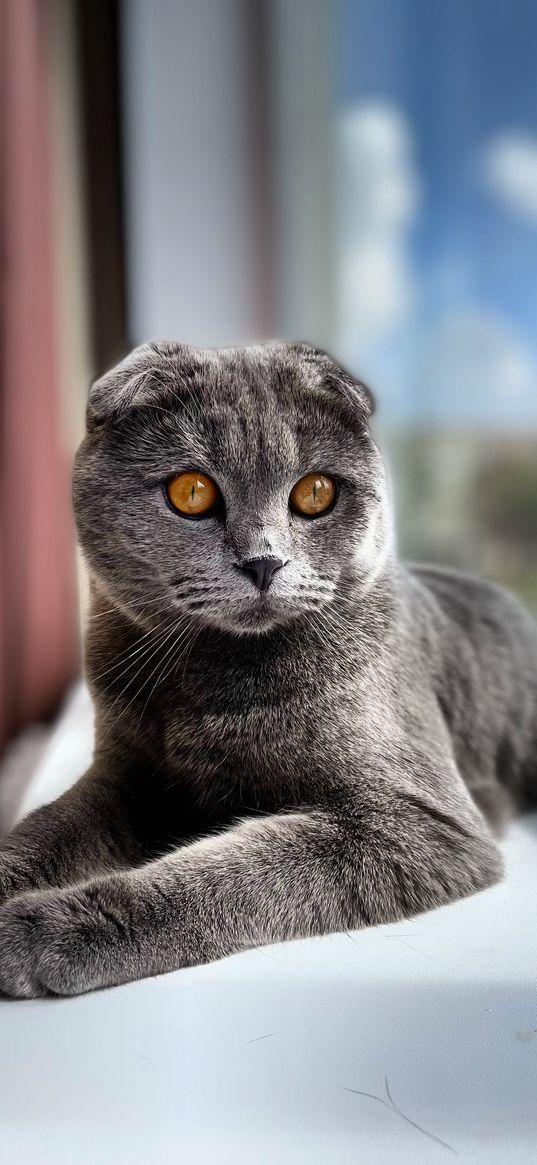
[252,414]
[258,377]
[267,411]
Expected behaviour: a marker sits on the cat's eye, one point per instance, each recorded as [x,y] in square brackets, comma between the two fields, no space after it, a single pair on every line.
[313,495]
[193,494]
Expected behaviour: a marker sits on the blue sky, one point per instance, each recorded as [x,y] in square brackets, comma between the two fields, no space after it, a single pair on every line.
[463,75]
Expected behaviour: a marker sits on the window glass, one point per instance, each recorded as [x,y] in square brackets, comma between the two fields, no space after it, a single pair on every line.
[435,130]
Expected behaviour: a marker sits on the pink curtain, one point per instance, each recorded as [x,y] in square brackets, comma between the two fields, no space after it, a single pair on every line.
[37,604]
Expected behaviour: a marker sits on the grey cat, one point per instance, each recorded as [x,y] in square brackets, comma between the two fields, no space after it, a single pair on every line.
[294,733]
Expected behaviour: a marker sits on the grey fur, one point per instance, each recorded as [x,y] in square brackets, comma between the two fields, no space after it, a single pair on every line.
[335,753]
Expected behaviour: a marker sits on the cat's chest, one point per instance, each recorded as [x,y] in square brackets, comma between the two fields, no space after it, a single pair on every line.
[257,738]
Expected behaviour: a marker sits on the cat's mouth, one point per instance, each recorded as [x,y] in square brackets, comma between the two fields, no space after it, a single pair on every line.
[259,613]
[256,616]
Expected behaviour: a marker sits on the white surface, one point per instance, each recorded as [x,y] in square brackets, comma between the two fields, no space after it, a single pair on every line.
[250,1060]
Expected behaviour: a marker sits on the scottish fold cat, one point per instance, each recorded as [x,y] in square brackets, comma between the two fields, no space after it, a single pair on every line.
[295,733]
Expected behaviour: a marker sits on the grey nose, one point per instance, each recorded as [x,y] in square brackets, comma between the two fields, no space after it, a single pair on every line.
[262,570]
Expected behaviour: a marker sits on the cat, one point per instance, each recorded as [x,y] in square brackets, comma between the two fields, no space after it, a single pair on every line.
[295,734]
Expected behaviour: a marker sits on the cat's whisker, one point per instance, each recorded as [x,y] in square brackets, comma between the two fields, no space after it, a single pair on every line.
[130,605]
[334,628]
[187,652]
[133,699]
[199,588]
[354,631]
[129,653]
[153,648]
[148,653]
[162,673]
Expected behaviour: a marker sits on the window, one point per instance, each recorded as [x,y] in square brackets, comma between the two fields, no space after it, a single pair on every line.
[435,137]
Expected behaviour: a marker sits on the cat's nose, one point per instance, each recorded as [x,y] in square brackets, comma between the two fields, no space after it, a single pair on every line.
[261,570]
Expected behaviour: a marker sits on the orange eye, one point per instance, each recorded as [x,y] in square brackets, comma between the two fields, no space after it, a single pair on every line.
[313,494]
[192,494]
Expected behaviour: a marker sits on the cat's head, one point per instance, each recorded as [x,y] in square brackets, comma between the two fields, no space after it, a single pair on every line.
[240,486]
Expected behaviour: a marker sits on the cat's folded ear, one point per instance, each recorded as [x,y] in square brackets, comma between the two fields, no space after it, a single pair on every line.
[336,379]
[137,380]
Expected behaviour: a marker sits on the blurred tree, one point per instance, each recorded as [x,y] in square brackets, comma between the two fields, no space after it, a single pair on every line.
[506,498]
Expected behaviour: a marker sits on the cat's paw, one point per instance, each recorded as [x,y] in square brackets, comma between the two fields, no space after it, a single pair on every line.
[60,942]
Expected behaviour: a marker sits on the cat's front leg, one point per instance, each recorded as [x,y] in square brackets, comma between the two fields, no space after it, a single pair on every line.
[90,829]
[377,855]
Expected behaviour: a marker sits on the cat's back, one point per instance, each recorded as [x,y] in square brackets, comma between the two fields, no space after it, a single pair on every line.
[489,617]
[481,647]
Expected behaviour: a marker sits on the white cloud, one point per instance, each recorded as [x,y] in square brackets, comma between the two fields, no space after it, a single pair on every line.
[510,172]
[378,198]
[473,367]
